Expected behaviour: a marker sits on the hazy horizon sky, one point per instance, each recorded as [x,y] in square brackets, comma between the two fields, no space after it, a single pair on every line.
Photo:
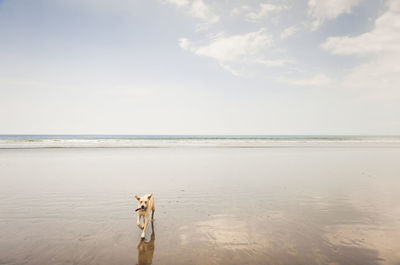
[199,67]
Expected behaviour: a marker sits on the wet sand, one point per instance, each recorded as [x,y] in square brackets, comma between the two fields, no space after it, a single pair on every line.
[295,205]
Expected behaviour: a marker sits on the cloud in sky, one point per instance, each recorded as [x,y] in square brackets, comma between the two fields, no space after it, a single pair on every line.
[379,77]
[179,3]
[198,9]
[383,39]
[240,10]
[199,66]
[264,10]
[288,32]
[251,48]
[325,10]
[237,48]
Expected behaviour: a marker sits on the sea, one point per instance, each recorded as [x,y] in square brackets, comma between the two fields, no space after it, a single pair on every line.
[143,141]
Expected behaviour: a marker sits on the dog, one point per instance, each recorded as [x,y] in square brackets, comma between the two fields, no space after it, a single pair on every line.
[146,204]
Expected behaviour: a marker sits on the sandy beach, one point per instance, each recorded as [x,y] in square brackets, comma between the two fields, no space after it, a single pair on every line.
[332,205]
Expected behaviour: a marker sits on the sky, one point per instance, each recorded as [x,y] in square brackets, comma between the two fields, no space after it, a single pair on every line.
[200,67]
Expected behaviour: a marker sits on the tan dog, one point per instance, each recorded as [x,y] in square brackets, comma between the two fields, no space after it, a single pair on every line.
[146,204]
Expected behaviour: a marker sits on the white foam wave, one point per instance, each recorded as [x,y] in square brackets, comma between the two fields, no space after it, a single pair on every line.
[169,143]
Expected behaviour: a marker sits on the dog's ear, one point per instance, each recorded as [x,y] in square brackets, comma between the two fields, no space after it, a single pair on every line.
[148,197]
[137,197]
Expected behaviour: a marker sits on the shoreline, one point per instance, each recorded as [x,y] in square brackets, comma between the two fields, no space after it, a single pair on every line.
[39,142]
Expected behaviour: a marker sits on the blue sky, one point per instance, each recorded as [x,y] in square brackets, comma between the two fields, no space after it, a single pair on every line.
[200,67]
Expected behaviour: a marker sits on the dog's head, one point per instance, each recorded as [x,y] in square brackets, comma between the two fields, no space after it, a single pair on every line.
[143,201]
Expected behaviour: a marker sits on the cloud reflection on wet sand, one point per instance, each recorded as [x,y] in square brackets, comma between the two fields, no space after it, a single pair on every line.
[281,238]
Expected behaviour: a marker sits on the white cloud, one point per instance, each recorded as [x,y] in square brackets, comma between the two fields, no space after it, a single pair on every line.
[236,48]
[184,43]
[288,32]
[240,10]
[316,80]
[383,39]
[380,76]
[237,51]
[264,10]
[197,9]
[179,3]
[200,10]
[323,10]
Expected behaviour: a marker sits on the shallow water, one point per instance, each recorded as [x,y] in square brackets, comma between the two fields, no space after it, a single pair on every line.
[322,205]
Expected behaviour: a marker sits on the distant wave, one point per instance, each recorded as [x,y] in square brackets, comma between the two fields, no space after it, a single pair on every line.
[164,141]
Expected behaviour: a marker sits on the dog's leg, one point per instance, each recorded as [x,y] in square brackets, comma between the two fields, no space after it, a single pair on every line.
[153,208]
[138,222]
[146,222]
[153,236]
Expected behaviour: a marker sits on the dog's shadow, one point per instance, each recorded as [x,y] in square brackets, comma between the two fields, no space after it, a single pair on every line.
[146,249]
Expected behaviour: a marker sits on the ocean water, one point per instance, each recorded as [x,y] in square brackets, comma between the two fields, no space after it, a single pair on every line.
[131,141]
[335,202]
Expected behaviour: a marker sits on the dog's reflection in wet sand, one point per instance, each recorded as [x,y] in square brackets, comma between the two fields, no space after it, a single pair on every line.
[146,249]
